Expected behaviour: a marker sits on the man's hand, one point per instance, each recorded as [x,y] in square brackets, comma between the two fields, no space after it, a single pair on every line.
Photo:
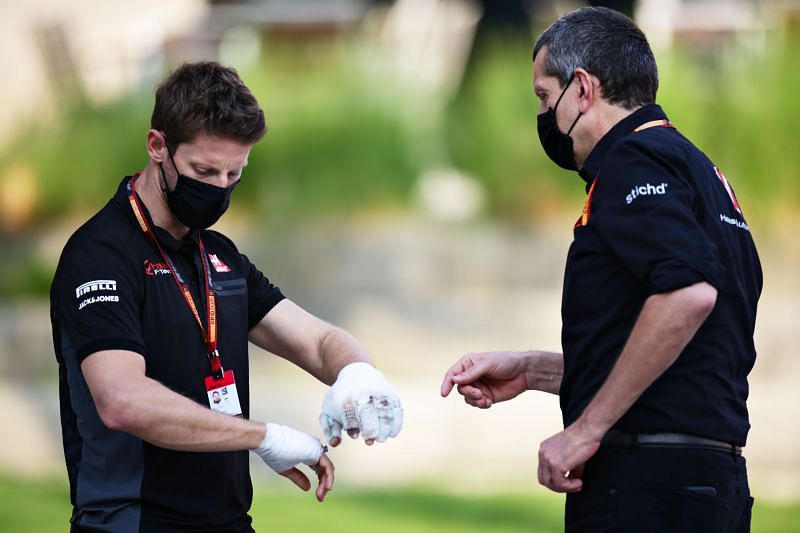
[283,448]
[562,457]
[665,326]
[361,402]
[324,470]
[487,378]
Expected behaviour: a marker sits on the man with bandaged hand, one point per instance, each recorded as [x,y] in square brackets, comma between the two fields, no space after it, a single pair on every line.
[152,313]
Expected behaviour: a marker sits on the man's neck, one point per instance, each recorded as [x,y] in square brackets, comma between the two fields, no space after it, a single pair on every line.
[607,116]
[149,188]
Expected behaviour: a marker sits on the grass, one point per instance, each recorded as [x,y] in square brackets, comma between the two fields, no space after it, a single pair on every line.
[43,506]
[403,510]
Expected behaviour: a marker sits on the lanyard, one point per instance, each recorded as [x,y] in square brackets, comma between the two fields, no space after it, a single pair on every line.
[210,337]
[587,205]
[664,123]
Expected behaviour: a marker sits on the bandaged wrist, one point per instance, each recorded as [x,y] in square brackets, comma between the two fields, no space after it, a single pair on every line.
[359,372]
[284,447]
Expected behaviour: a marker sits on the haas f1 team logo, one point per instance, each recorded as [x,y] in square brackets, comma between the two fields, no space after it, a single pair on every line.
[728,189]
[155,269]
[217,263]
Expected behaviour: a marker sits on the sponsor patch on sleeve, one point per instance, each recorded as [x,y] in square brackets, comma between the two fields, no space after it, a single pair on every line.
[648,189]
[96,291]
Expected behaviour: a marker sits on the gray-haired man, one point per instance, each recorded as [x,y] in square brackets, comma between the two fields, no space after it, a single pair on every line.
[660,293]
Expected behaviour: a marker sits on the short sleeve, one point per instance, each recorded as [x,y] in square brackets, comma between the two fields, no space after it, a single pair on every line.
[644,211]
[96,300]
[262,295]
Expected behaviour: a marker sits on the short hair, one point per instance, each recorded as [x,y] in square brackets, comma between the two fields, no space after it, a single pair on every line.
[206,97]
[607,44]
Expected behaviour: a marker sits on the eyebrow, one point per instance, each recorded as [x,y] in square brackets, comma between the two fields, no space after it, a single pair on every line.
[210,166]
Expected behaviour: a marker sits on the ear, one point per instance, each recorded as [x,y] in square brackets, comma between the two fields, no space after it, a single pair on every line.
[588,89]
[156,146]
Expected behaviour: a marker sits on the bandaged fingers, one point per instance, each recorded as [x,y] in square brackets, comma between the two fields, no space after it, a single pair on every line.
[331,428]
[376,418]
[333,421]
[362,403]
[380,417]
[352,420]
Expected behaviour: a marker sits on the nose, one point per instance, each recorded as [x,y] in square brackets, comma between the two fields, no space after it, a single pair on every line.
[222,179]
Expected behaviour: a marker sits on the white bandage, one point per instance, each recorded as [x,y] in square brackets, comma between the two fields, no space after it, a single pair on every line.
[284,447]
[361,400]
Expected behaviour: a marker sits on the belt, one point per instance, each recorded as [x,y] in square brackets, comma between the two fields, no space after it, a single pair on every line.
[621,439]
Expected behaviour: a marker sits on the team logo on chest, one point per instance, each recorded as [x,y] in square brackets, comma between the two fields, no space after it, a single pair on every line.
[218,264]
[728,189]
[156,269]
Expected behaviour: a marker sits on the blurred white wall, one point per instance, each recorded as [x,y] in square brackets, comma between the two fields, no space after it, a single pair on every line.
[104,47]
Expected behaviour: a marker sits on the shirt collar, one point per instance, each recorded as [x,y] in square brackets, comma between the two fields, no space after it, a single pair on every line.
[622,128]
[165,238]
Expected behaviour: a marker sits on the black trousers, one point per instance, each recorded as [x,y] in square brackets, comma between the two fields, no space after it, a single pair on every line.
[674,490]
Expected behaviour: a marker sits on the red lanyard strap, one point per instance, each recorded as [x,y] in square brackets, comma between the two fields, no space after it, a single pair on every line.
[587,206]
[209,337]
[662,123]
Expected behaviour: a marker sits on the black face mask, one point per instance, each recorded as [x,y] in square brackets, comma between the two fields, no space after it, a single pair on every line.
[196,204]
[557,144]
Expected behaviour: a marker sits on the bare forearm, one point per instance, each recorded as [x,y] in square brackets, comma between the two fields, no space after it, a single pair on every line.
[544,371]
[665,326]
[154,413]
[337,349]
[310,343]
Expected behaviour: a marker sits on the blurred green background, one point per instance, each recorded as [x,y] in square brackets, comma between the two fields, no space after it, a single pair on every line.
[344,139]
[401,192]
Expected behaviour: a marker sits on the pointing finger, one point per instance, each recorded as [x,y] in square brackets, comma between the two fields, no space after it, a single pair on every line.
[448,382]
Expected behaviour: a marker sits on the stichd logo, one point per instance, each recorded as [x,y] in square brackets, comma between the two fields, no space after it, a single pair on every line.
[648,189]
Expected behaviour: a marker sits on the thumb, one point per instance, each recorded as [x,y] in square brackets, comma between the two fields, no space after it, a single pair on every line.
[298,478]
[573,484]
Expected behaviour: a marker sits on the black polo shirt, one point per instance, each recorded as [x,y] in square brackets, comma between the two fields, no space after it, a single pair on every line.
[113,290]
[661,217]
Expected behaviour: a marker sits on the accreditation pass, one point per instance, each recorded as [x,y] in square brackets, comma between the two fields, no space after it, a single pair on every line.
[222,395]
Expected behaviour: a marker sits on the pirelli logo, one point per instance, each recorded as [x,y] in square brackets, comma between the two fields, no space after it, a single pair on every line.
[96,285]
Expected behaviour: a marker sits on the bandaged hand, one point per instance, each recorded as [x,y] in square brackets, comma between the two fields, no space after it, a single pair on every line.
[361,401]
[284,447]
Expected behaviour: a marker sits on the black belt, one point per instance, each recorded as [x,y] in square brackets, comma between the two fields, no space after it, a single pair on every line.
[621,439]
